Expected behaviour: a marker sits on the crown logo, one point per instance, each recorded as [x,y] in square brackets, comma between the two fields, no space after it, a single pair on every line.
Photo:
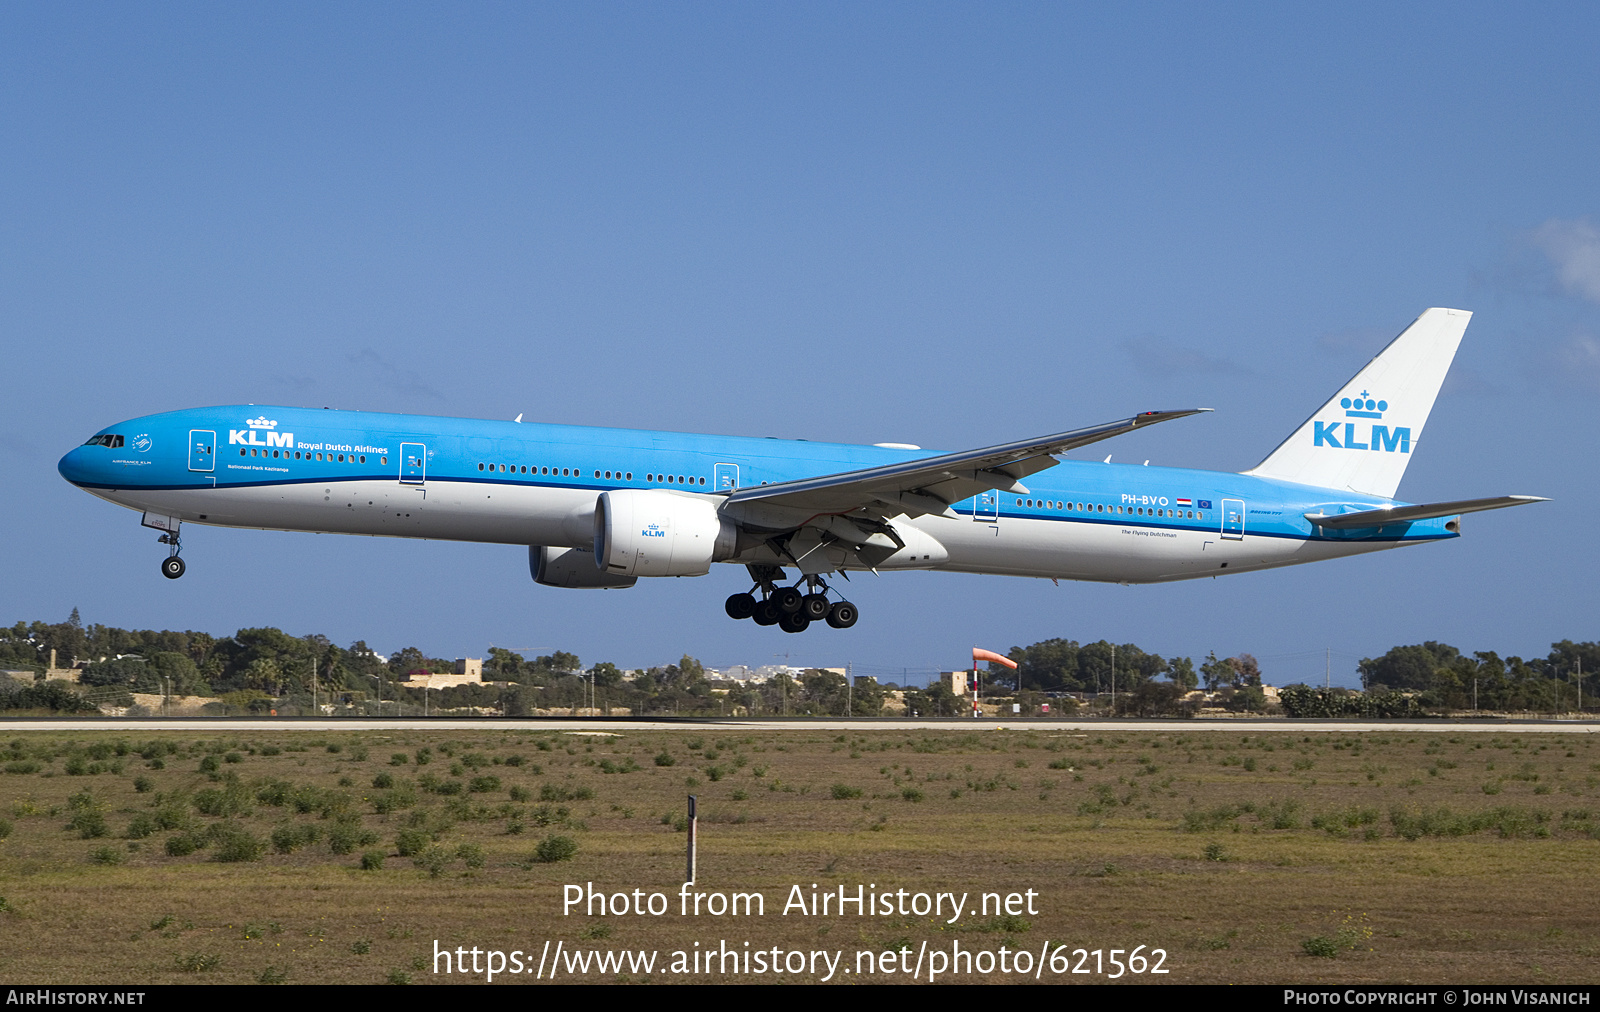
[1356,407]
[262,422]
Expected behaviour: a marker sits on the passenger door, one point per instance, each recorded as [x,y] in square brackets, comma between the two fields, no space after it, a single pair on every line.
[986,507]
[202,450]
[413,463]
[1233,519]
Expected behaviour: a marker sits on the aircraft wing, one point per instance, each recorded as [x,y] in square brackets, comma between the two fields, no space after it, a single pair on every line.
[1427,511]
[930,485]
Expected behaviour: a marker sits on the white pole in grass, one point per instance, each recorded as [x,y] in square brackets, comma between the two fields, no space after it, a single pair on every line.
[692,823]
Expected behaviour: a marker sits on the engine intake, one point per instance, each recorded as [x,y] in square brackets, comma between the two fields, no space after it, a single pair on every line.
[647,532]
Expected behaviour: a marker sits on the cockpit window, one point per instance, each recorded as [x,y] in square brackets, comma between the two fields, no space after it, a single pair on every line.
[114,442]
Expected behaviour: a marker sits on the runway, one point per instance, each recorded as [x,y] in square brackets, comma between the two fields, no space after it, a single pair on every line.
[860,725]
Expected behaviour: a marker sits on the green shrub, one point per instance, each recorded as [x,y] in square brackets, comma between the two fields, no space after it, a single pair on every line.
[233,799]
[411,842]
[233,844]
[383,781]
[182,845]
[106,855]
[144,824]
[432,859]
[88,816]
[286,839]
[664,758]
[561,792]
[484,784]
[844,792]
[555,848]
[372,860]
[198,962]
[471,855]
[1320,946]
[346,836]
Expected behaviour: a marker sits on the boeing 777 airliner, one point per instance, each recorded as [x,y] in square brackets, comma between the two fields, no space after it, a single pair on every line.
[603,507]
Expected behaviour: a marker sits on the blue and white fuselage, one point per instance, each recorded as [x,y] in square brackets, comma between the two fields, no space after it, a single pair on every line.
[602,507]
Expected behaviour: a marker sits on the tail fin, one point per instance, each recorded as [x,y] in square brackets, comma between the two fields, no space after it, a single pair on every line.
[1362,439]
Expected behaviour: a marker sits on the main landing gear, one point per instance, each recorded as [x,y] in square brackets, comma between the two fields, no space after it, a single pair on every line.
[172,567]
[788,608]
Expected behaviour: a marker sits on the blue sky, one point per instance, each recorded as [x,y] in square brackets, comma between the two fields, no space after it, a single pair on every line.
[950,225]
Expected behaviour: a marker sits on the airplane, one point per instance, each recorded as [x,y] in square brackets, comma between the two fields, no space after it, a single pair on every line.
[601,508]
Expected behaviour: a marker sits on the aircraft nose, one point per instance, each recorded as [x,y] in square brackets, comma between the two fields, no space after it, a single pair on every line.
[77,466]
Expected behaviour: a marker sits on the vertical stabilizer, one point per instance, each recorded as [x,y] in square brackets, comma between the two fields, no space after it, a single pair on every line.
[1362,439]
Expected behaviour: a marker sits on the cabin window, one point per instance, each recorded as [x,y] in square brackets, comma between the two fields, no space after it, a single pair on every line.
[363,458]
[630,475]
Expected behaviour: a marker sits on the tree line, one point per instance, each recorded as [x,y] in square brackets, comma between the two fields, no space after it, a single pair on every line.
[266,668]
[1406,680]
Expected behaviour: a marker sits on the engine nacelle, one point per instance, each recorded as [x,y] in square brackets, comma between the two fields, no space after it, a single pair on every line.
[571,567]
[646,532]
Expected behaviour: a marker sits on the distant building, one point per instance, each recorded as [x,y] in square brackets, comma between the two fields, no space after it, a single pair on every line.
[468,671]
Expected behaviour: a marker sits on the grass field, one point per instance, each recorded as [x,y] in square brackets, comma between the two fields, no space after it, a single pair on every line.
[304,857]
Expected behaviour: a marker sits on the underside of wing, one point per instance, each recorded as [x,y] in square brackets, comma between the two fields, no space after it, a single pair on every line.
[930,485]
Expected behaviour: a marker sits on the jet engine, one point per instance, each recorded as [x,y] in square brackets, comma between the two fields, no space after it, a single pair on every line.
[571,567]
[647,532]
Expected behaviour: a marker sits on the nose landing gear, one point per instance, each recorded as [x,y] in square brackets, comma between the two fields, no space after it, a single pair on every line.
[172,567]
[786,607]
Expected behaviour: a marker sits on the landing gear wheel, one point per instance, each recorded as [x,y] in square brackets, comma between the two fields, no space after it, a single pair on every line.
[172,567]
[842,615]
[814,607]
[794,623]
[789,599]
[740,606]
[766,613]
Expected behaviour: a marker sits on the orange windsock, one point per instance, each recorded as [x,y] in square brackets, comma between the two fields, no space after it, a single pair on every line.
[980,654]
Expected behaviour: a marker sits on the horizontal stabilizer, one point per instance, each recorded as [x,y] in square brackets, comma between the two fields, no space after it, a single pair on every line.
[1427,511]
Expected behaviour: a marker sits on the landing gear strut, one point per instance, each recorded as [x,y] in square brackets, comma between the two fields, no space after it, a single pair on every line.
[172,567]
[787,607]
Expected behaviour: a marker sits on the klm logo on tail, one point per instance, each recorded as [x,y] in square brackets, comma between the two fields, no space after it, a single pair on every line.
[1378,437]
